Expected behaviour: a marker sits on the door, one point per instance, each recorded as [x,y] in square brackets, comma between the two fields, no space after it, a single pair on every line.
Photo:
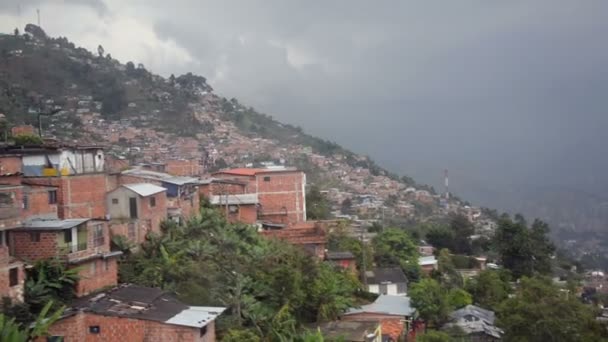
[133,207]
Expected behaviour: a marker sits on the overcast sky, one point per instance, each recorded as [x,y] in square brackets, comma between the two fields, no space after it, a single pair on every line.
[503,93]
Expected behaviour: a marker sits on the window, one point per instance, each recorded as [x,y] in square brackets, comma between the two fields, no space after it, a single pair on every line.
[114,200]
[233,209]
[131,231]
[106,265]
[94,329]
[53,197]
[152,202]
[67,239]
[98,237]
[93,268]
[267,179]
[13,276]
[6,199]
[26,201]
[35,236]
[81,237]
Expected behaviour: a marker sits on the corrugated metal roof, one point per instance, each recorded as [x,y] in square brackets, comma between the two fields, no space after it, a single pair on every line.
[53,224]
[144,189]
[196,316]
[235,199]
[388,305]
[160,176]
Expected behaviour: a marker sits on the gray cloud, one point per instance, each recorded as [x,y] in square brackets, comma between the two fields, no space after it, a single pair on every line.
[502,93]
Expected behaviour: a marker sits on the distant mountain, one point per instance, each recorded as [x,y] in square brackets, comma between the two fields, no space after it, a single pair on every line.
[93,90]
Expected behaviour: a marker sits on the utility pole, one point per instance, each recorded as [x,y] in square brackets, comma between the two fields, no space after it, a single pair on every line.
[38,14]
[53,112]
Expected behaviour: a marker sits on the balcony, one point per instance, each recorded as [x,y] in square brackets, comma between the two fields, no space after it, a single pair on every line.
[9,212]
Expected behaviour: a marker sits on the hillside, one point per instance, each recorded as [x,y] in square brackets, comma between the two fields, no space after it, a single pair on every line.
[144,117]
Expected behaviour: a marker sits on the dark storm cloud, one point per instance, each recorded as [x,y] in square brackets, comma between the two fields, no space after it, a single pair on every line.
[501,93]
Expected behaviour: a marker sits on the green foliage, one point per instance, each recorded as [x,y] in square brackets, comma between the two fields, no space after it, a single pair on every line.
[11,331]
[50,280]
[433,336]
[522,250]
[440,237]
[395,247]
[489,288]
[458,298]
[241,335]
[462,229]
[268,286]
[340,241]
[541,312]
[430,300]
[27,139]
[317,205]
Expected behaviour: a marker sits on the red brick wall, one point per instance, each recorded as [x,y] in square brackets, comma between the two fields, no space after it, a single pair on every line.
[282,198]
[282,193]
[151,217]
[10,165]
[23,129]
[95,275]
[78,196]
[25,249]
[84,196]
[38,202]
[247,214]
[76,328]
[14,292]
[183,167]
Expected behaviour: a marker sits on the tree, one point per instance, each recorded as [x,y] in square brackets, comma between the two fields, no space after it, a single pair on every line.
[317,205]
[395,247]
[430,301]
[440,237]
[27,139]
[462,230]
[130,68]
[16,32]
[347,205]
[489,288]
[100,51]
[50,280]
[522,250]
[10,331]
[541,312]
[434,336]
[458,298]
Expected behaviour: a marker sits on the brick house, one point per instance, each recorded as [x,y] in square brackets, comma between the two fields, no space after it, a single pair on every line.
[311,236]
[182,192]
[393,312]
[281,192]
[134,313]
[82,243]
[230,195]
[136,209]
[12,270]
[345,260]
